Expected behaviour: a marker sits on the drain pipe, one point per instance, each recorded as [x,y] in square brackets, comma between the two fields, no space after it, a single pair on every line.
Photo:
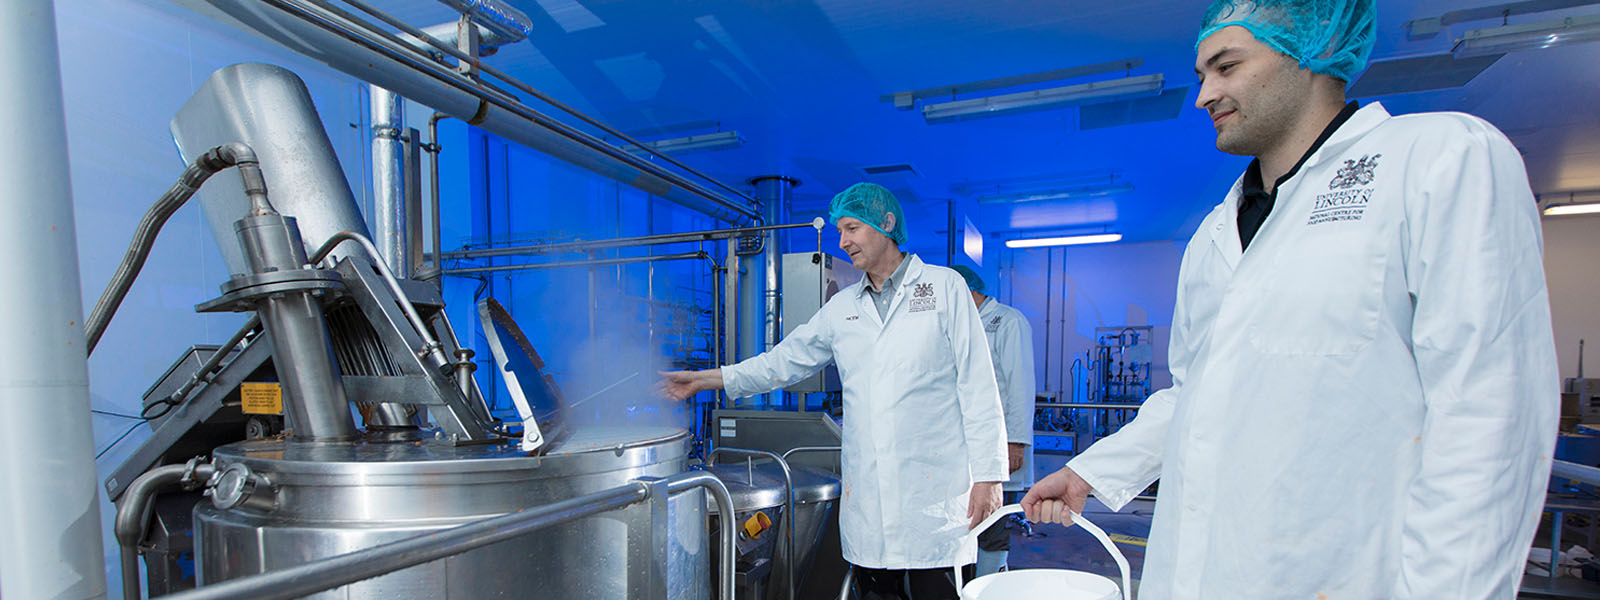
[50,509]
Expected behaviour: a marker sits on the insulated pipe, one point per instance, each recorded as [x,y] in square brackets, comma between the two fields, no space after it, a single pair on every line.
[133,513]
[389,213]
[320,31]
[144,236]
[775,193]
[49,503]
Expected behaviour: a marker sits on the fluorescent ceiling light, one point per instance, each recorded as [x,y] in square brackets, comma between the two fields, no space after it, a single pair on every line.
[1573,209]
[1077,193]
[1071,240]
[1510,38]
[721,140]
[1061,97]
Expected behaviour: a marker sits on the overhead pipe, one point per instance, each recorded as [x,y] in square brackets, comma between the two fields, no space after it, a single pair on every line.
[50,507]
[323,32]
[655,239]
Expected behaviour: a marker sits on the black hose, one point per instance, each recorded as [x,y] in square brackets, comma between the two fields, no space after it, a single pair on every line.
[144,237]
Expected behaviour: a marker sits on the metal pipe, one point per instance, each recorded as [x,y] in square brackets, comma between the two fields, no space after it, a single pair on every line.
[1091,405]
[597,262]
[434,149]
[774,192]
[321,31]
[788,502]
[430,345]
[351,567]
[627,242]
[144,236]
[725,529]
[388,190]
[1576,472]
[477,65]
[133,513]
[49,510]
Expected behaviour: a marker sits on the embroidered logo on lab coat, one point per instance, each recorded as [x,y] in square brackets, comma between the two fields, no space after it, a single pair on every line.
[922,298]
[993,324]
[1355,172]
[1345,202]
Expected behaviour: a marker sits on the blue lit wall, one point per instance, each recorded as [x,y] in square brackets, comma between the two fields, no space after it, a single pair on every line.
[645,316]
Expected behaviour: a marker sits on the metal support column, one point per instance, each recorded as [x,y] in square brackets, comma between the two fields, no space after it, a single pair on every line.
[50,509]
[730,309]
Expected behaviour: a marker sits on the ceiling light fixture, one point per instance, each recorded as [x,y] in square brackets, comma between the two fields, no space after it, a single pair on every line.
[1077,193]
[1586,208]
[1510,38]
[1071,240]
[721,140]
[1047,99]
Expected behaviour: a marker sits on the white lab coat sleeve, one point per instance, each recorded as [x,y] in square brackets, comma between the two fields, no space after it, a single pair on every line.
[799,355]
[982,419]
[1482,339]
[1014,372]
[1121,465]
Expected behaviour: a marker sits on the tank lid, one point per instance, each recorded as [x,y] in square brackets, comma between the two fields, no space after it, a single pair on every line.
[758,484]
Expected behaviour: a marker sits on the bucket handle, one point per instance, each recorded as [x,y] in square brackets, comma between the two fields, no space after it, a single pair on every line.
[1077,519]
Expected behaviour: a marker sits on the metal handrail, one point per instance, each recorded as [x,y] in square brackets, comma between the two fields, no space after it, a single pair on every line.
[725,529]
[348,568]
[799,449]
[788,500]
[575,264]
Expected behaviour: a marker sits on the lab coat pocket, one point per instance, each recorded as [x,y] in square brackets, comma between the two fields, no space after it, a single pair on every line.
[1322,296]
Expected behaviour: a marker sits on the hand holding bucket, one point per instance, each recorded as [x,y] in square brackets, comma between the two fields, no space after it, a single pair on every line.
[1045,584]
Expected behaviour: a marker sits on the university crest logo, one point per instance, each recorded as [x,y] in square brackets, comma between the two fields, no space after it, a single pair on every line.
[1355,172]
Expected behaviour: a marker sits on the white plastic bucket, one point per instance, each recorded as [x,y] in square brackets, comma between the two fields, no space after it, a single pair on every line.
[1045,584]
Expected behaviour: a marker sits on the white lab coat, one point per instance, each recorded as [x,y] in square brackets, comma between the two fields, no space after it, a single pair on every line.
[1011,349]
[922,418]
[1364,404]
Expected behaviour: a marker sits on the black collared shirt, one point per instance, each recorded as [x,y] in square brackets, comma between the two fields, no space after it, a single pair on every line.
[1255,202]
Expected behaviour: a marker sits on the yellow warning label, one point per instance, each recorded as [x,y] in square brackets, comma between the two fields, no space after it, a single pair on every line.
[1127,539]
[261,398]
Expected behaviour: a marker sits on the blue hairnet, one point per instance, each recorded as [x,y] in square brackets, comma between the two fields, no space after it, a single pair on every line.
[1328,37]
[870,202]
[974,281]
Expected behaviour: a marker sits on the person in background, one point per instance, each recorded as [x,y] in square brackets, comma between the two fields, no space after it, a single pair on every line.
[1011,349]
[1364,389]
[924,438]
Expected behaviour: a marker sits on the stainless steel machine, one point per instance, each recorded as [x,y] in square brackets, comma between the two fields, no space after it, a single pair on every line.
[429,497]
